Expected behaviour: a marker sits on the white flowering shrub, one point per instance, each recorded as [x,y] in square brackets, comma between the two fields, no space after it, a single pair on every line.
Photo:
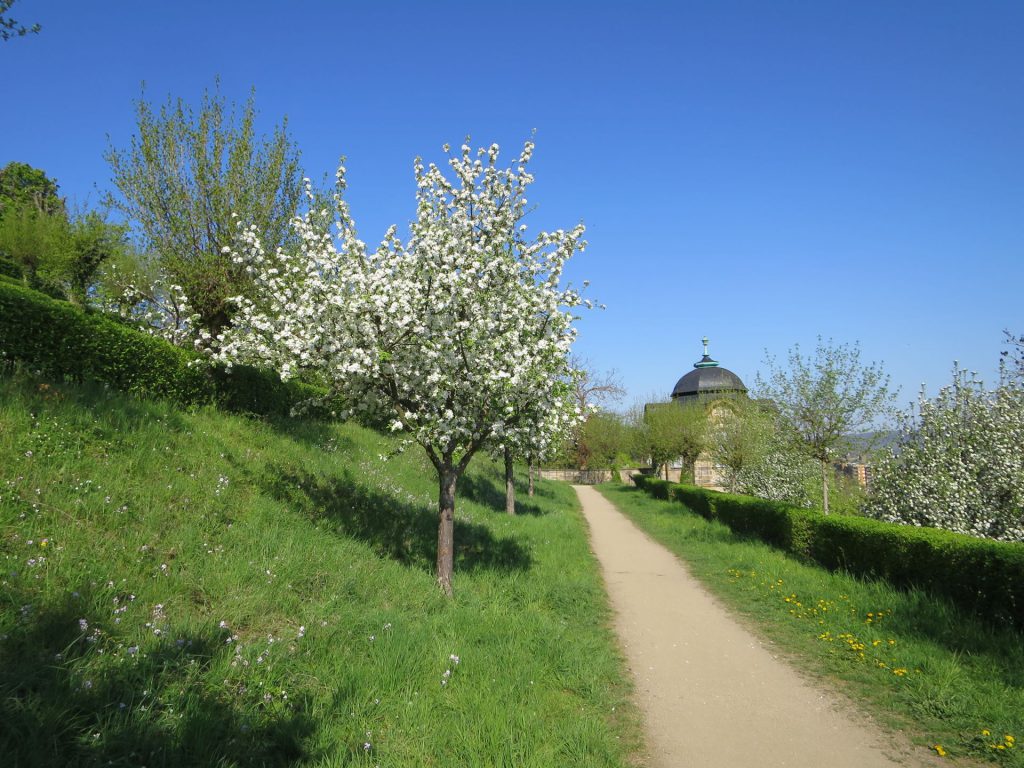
[778,472]
[459,335]
[960,463]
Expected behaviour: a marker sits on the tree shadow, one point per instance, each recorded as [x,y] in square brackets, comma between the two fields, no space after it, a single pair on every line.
[395,529]
[483,490]
[150,708]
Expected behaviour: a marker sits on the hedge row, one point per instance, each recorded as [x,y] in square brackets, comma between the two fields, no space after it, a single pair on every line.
[980,575]
[61,341]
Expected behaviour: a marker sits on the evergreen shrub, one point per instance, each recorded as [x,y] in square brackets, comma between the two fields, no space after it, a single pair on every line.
[980,575]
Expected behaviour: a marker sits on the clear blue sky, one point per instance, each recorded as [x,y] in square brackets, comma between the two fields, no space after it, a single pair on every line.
[759,172]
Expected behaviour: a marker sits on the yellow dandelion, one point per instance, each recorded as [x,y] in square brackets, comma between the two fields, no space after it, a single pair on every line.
[986,732]
[939,750]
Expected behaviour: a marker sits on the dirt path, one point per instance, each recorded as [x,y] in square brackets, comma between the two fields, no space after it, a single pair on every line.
[712,694]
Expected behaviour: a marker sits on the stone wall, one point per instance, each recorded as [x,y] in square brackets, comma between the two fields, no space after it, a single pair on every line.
[586,476]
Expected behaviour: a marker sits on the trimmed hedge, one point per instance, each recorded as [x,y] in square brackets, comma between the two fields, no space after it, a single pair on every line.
[61,341]
[980,575]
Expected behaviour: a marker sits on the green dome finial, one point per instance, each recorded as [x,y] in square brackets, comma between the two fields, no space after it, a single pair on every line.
[706,361]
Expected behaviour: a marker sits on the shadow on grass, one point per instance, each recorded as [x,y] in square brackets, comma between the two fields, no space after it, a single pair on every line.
[485,491]
[401,531]
[156,708]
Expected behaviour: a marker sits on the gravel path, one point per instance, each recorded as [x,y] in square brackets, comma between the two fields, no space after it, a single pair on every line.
[712,694]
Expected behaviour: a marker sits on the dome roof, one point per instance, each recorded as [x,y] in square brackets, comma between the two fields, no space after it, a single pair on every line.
[708,378]
[706,381]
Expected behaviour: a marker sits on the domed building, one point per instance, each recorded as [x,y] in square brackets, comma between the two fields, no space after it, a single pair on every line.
[707,381]
[710,385]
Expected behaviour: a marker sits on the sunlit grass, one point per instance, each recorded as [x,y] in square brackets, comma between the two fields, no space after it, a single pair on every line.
[194,588]
[952,682]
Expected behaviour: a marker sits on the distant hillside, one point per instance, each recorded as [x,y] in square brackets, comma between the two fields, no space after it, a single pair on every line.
[195,588]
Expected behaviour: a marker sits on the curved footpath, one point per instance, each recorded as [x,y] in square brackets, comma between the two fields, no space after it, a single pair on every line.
[711,693]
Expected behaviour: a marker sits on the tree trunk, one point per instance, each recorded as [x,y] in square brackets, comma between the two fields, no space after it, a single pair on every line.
[666,471]
[510,487]
[529,474]
[446,528]
[824,486]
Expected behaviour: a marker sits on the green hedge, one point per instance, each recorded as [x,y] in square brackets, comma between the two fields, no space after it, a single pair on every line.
[61,341]
[980,575]
[9,268]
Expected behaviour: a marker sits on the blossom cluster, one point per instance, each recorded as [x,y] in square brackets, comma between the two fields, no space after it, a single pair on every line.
[959,464]
[458,336]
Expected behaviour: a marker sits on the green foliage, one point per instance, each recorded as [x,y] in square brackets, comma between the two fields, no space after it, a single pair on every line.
[61,341]
[10,268]
[35,242]
[984,577]
[91,241]
[826,398]
[599,442]
[186,588]
[667,431]
[185,177]
[23,187]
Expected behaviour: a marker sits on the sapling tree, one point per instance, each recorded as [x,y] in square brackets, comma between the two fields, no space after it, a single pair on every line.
[827,398]
[184,176]
[446,333]
[670,430]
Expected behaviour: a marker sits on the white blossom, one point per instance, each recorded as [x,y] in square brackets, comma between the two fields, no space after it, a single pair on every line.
[959,464]
[458,335]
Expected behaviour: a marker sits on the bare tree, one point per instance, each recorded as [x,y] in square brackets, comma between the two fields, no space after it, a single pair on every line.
[593,387]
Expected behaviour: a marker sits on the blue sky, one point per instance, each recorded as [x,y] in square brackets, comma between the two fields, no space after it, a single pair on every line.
[758,172]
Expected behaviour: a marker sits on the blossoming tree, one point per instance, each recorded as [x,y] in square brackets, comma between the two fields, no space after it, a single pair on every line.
[959,463]
[447,334]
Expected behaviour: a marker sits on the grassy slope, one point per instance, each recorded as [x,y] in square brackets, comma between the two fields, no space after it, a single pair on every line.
[201,589]
[916,662]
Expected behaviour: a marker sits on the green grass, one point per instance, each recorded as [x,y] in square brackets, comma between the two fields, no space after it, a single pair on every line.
[916,663]
[194,588]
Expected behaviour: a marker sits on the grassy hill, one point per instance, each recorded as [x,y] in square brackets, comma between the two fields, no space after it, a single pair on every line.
[195,588]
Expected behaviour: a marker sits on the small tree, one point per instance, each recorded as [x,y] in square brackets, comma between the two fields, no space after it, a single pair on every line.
[33,241]
[604,441]
[447,334]
[739,437]
[24,188]
[185,177]
[827,398]
[91,241]
[959,463]
[669,430]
